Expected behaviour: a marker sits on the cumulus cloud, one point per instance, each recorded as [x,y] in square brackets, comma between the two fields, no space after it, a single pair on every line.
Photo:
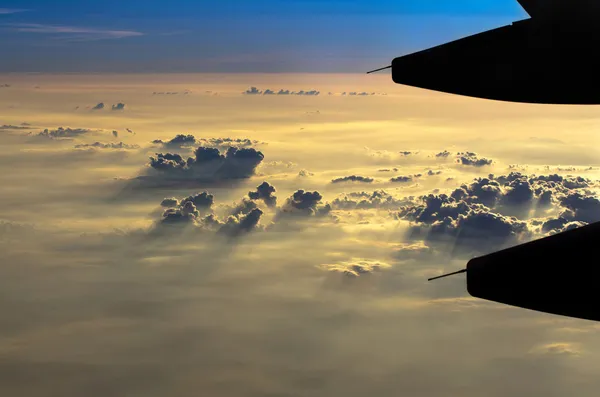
[99,106]
[480,216]
[443,154]
[100,145]
[209,163]
[186,140]
[62,132]
[178,141]
[118,106]
[402,179]
[256,91]
[470,158]
[379,199]
[353,178]
[264,192]
[197,211]
[306,204]
[170,202]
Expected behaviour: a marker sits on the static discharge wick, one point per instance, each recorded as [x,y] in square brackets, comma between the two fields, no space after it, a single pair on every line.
[448,275]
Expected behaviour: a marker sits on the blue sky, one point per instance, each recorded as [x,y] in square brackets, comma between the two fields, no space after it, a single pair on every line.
[232,35]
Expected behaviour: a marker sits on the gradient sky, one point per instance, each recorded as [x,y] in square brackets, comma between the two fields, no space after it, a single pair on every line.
[233,35]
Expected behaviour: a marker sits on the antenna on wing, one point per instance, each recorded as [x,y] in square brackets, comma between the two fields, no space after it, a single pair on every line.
[448,275]
[380,69]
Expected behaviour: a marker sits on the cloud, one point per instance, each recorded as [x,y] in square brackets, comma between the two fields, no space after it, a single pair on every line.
[72,32]
[255,91]
[6,11]
[356,268]
[62,132]
[443,154]
[353,178]
[14,127]
[209,163]
[402,179]
[306,204]
[197,211]
[178,141]
[99,106]
[470,158]
[100,145]
[480,216]
[264,192]
[379,199]
[118,106]
[171,202]
[183,140]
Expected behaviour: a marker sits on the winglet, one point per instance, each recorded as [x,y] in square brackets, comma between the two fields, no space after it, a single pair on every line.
[448,275]
[377,70]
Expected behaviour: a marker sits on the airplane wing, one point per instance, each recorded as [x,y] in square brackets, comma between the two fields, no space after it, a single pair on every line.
[532,7]
[561,9]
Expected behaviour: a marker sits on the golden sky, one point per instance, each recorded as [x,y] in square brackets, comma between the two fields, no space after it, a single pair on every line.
[107,292]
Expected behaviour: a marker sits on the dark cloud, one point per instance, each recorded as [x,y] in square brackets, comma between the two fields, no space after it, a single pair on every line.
[353,178]
[581,207]
[305,203]
[15,127]
[256,91]
[118,106]
[253,91]
[402,179]
[179,141]
[433,173]
[229,142]
[406,153]
[238,225]
[196,211]
[479,217]
[170,202]
[202,201]
[61,132]
[443,154]
[209,163]
[183,140]
[115,133]
[388,170]
[264,192]
[471,159]
[99,106]
[99,145]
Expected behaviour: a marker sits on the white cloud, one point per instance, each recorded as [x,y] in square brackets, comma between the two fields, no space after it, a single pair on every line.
[72,32]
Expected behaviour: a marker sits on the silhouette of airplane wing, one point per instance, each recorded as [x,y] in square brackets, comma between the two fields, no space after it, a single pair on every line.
[549,58]
[532,7]
[557,274]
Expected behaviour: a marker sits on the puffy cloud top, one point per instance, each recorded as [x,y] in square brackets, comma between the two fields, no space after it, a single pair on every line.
[353,178]
[264,192]
[210,163]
